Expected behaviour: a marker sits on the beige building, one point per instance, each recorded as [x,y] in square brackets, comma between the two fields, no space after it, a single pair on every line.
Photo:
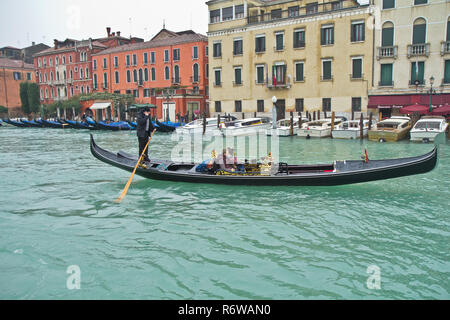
[310,55]
[412,54]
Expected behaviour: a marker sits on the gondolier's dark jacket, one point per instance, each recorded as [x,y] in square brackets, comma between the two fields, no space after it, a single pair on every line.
[144,126]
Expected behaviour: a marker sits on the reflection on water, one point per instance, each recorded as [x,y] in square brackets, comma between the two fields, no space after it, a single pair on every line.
[193,241]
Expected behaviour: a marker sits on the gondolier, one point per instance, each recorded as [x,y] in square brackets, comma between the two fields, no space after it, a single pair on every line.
[144,130]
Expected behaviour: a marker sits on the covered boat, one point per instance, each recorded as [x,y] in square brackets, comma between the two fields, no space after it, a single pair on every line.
[391,130]
[282,174]
[427,128]
[16,123]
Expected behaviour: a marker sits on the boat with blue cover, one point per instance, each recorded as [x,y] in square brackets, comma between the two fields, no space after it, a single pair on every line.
[15,123]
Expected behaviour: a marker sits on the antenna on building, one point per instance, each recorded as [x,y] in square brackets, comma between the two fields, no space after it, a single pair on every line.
[164,23]
[131,26]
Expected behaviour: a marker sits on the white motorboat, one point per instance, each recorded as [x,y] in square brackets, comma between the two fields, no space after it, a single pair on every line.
[427,128]
[318,128]
[351,130]
[245,127]
[196,126]
[284,127]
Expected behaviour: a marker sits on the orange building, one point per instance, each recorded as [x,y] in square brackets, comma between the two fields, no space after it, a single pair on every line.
[169,71]
[12,73]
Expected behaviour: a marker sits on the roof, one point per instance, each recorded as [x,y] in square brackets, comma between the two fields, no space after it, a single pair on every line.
[178,38]
[52,50]
[14,64]
[9,47]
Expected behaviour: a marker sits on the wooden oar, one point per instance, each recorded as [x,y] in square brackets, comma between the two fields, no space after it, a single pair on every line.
[124,192]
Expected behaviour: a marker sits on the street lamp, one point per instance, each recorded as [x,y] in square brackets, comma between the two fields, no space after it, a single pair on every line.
[431,92]
[274,112]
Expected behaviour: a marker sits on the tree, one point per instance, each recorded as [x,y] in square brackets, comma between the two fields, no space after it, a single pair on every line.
[34,98]
[24,97]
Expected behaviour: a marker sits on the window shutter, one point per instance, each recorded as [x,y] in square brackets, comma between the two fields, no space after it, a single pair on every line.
[387,37]
[447,72]
[357,68]
[419,33]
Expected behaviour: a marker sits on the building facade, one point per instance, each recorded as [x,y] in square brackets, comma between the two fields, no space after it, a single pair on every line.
[11,53]
[412,55]
[169,71]
[311,56]
[12,73]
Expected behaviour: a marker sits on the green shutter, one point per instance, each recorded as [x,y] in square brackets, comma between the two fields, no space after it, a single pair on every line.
[237,76]
[357,68]
[419,33]
[327,70]
[299,72]
[387,37]
[448,30]
[417,75]
[386,74]
[447,72]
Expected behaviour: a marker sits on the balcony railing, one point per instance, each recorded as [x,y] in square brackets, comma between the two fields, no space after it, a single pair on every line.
[445,47]
[417,82]
[278,85]
[195,80]
[387,52]
[415,50]
[310,10]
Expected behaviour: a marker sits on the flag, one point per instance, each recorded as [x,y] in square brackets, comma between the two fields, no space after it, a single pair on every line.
[367,157]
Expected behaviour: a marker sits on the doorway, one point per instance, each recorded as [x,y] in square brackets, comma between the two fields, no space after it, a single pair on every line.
[281,109]
[169,112]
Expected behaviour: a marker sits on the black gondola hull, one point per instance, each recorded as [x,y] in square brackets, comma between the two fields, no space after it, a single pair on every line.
[356,172]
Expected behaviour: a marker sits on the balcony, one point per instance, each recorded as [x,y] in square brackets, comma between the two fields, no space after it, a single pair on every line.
[140,83]
[195,80]
[419,83]
[387,52]
[279,85]
[445,47]
[176,80]
[416,50]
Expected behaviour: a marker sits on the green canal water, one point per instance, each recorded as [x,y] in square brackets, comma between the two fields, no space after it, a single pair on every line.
[194,241]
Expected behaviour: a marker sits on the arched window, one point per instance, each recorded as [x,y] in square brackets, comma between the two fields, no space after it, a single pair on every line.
[195,72]
[51,75]
[128,76]
[153,74]
[387,34]
[140,76]
[145,74]
[81,73]
[65,75]
[87,73]
[177,74]
[135,78]
[95,82]
[65,92]
[117,76]
[105,80]
[71,74]
[167,73]
[448,29]
[419,31]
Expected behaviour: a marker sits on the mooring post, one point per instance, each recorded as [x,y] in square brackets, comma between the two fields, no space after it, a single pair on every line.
[370,121]
[333,118]
[204,123]
[292,124]
[318,115]
[218,121]
[243,116]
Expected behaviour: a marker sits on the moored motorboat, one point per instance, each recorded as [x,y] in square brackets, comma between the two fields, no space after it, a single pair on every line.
[319,128]
[197,126]
[284,128]
[427,128]
[351,130]
[245,127]
[391,130]
[336,173]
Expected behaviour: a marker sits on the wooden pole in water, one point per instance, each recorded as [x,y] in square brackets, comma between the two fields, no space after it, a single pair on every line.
[333,118]
[256,115]
[309,117]
[380,117]
[314,116]
[218,121]
[370,121]
[292,124]
[318,115]
[361,126]
[243,116]
[353,115]
[300,120]
[204,123]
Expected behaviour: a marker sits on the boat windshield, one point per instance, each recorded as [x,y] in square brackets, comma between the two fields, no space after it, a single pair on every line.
[428,125]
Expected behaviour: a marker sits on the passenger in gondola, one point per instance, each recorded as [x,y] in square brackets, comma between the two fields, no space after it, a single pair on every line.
[144,130]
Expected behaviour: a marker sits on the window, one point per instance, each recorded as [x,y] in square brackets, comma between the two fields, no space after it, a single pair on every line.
[207,71]
[177,74]
[134,60]
[166,73]
[146,93]
[64,60]
[206,51]
[279,74]
[217,77]
[299,105]
[260,106]
[218,106]
[135,76]
[416,2]
[448,29]
[116,74]
[357,31]
[56,61]
[195,72]
[17,76]
[128,76]
[94,64]
[50,62]
[419,31]
[386,75]
[116,62]
[447,71]
[95,82]
[299,71]
[81,74]
[214,16]
[51,75]
[86,73]
[128,61]
[238,76]
[105,80]
[276,14]
[39,62]
[29,76]
[71,74]
[136,93]
[293,11]
[387,35]
[227,13]
[152,57]
[388,4]
[237,47]
[153,73]
[326,104]
[166,55]
[336,5]
[141,78]
[70,59]
[260,45]
[238,106]
[299,38]
[217,49]
[239,11]
[417,73]
[356,104]
[71,91]
[195,52]
[45,62]
[312,8]
[145,60]
[279,41]
[65,75]
[357,68]
[326,70]
[146,74]
[327,35]
[176,54]
[260,74]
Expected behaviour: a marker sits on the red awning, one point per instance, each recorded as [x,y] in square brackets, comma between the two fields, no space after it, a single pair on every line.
[415,108]
[442,111]
[388,102]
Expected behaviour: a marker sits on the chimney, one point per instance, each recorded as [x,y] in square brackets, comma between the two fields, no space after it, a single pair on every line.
[33,43]
[113,34]
[108,30]
[56,43]
[118,33]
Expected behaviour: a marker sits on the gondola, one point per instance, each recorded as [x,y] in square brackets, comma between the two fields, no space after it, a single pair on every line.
[161,127]
[32,124]
[114,126]
[77,124]
[16,123]
[337,173]
[54,124]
